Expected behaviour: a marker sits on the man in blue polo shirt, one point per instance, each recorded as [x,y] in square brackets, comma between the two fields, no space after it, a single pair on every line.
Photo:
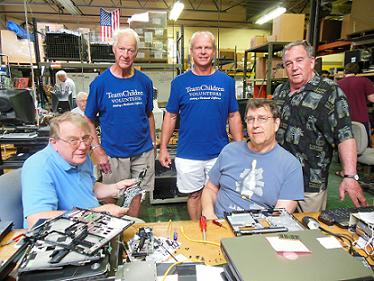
[205,100]
[60,177]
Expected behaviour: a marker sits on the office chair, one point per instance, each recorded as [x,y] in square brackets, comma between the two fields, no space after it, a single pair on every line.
[11,198]
[365,154]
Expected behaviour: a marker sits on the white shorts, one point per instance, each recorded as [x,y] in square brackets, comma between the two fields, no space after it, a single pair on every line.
[192,175]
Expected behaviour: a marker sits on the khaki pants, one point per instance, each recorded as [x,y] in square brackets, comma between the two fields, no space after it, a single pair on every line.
[127,168]
[313,202]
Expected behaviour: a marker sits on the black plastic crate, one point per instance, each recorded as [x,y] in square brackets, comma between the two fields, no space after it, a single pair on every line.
[101,53]
[65,46]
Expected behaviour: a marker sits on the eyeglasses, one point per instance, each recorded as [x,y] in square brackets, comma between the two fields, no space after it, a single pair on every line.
[260,119]
[130,51]
[87,140]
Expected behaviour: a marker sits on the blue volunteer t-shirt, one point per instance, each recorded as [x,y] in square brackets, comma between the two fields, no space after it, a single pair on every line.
[50,183]
[204,103]
[275,175]
[123,105]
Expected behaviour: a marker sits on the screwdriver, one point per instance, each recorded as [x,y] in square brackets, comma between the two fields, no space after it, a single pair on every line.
[203,226]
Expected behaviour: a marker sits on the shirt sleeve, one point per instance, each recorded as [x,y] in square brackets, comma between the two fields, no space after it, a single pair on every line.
[38,191]
[173,102]
[369,87]
[334,119]
[233,102]
[293,187]
[149,95]
[92,107]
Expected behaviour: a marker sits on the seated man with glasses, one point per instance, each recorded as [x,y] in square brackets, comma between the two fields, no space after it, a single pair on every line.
[60,177]
[255,174]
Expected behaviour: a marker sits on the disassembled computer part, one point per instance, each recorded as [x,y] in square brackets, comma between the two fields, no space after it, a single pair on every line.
[127,195]
[142,244]
[262,221]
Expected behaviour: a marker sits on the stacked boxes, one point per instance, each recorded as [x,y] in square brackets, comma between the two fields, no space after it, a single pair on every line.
[288,28]
[153,38]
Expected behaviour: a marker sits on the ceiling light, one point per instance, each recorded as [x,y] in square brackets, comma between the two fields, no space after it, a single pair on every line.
[176,10]
[143,17]
[70,7]
[271,15]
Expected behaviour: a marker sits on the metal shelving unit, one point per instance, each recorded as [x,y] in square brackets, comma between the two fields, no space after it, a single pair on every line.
[270,48]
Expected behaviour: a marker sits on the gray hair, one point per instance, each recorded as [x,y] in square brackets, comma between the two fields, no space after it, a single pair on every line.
[70,117]
[82,96]
[258,103]
[203,33]
[61,73]
[308,48]
[125,31]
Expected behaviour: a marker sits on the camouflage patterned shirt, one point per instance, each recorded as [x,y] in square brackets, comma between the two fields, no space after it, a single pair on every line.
[314,120]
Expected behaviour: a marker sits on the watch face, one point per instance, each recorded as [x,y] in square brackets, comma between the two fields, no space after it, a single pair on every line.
[356,177]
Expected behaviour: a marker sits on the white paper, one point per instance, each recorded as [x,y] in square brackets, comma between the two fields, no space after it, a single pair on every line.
[204,273]
[329,242]
[287,245]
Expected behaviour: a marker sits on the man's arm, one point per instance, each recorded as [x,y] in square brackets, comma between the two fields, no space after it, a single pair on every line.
[208,199]
[235,126]
[32,219]
[168,126]
[99,153]
[371,97]
[348,157]
[289,205]
[152,129]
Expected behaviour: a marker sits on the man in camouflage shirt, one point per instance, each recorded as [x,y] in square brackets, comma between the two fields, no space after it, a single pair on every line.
[314,120]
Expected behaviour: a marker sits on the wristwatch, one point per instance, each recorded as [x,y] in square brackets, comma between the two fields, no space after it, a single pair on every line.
[355,177]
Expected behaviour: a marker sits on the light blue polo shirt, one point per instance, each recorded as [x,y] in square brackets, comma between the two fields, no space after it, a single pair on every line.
[50,183]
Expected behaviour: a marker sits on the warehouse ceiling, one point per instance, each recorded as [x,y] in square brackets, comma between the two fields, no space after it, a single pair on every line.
[200,13]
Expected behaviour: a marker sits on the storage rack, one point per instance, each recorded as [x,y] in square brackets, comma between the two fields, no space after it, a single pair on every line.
[270,48]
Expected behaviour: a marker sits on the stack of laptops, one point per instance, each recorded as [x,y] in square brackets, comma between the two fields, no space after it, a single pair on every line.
[252,258]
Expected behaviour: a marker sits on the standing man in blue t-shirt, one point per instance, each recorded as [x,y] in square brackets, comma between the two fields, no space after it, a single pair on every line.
[255,174]
[122,97]
[205,100]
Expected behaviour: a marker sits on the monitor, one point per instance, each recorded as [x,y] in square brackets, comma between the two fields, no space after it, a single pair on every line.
[16,107]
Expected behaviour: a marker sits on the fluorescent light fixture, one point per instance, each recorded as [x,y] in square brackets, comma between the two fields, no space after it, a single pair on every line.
[143,17]
[271,15]
[70,7]
[176,10]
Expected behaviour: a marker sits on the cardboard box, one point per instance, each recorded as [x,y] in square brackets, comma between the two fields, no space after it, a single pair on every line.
[257,40]
[289,27]
[228,54]
[276,71]
[362,15]
[346,26]
[330,30]
[18,50]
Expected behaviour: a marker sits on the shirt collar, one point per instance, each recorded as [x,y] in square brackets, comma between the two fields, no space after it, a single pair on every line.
[61,162]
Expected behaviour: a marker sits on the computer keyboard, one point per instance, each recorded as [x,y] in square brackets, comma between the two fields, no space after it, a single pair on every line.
[340,216]
[29,135]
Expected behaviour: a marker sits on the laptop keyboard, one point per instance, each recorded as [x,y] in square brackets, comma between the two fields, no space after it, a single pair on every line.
[340,216]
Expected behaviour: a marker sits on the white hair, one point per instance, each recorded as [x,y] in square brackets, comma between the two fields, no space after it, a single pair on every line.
[61,73]
[203,33]
[82,95]
[126,31]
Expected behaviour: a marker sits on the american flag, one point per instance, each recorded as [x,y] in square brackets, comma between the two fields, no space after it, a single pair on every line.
[109,22]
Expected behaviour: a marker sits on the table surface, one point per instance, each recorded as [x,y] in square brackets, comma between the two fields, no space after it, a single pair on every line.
[208,253]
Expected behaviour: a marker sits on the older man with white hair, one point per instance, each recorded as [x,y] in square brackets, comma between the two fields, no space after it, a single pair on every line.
[122,97]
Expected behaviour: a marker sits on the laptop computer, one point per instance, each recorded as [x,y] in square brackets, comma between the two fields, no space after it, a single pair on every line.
[252,258]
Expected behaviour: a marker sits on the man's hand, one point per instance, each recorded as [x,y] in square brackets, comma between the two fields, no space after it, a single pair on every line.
[164,158]
[102,160]
[354,190]
[113,209]
[123,184]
